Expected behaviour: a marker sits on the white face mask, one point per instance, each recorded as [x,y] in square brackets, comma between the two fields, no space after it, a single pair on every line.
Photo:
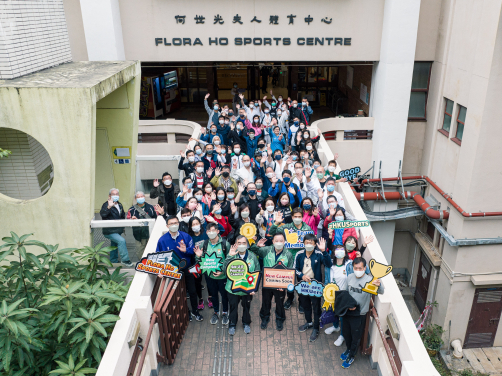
[340,254]
[359,273]
[256,120]
[331,168]
[185,219]
[244,214]
[174,228]
[167,182]
[221,121]
[237,151]
[305,136]
[200,170]
[241,248]
[270,208]
[212,235]
[309,247]
[191,159]
[246,164]
[196,229]
[279,245]
[308,147]
[297,221]
[339,218]
[270,175]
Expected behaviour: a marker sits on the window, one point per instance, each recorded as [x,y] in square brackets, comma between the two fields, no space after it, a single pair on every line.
[329,136]
[182,138]
[460,124]
[152,137]
[419,91]
[448,110]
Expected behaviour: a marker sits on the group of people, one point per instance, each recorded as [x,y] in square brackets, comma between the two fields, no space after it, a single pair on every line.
[258,167]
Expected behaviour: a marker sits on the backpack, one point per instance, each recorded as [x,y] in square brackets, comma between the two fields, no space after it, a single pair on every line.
[226,246]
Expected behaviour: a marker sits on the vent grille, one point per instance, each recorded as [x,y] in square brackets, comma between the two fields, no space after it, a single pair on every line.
[489,296]
[479,340]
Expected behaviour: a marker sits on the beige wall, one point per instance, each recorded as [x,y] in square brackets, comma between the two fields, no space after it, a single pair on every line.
[57,107]
[428,27]
[75,28]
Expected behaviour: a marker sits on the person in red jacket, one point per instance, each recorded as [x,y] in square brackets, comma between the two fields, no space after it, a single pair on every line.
[216,214]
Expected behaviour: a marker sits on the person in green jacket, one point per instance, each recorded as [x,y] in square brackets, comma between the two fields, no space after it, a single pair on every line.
[240,250]
[272,255]
[216,281]
[289,231]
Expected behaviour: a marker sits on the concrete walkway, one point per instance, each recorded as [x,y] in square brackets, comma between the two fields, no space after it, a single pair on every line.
[209,350]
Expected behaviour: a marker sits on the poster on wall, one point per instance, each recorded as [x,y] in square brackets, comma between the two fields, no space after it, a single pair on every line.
[350,76]
[363,93]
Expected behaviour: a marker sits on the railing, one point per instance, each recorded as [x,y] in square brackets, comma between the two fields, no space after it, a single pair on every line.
[412,354]
[138,308]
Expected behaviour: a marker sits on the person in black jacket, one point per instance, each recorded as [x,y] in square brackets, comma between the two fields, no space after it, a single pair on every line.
[113,210]
[141,210]
[236,136]
[308,266]
[187,167]
[167,192]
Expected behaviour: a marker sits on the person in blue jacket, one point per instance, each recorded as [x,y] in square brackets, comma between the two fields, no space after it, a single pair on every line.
[181,244]
[223,129]
[208,138]
[251,141]
[278,141]
[286,185]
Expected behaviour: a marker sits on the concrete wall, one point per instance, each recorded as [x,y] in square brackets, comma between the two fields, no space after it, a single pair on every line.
[47,45]
[57,108]
[75,26]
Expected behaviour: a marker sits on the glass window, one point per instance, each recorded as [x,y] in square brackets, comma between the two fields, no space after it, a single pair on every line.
[202,75]
[417,104]
[419,91]
[460,122]
[448,110]
[192,75]
[301,74]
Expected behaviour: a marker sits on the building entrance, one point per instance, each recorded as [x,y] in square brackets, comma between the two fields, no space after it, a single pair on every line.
[177,90]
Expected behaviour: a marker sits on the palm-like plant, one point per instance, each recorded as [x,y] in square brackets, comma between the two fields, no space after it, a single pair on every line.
[54,311]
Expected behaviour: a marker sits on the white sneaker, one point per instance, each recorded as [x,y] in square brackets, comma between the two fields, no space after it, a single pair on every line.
[339,341]
[330,330]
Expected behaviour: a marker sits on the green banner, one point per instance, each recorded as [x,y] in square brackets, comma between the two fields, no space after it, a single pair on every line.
[211,263]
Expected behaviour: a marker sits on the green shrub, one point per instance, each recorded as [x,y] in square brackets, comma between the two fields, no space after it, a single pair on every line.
[58,308]
[443,371]
[432,337]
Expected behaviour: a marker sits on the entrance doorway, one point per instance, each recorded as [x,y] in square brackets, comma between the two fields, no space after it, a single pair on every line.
[423,279]
[484,318]
[331,88]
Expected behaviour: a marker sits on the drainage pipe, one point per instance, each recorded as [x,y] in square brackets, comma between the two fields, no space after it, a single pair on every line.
[441,192]
[427,209]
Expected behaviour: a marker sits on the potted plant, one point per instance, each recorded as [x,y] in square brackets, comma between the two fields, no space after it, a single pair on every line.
[432,338]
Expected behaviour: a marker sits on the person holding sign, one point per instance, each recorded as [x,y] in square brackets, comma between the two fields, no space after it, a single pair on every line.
[293,240]
[308,266]
[271,256]
[240,250]
[216,280]
[353,326]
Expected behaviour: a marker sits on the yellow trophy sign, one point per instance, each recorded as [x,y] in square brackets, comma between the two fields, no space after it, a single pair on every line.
[377,271]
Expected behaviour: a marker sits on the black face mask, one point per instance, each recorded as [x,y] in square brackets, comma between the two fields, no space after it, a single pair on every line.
[261,146]
[225,174]
[209,152]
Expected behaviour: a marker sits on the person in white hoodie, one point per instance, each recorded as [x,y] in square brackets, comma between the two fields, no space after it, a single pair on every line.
[252,110]
[244,174]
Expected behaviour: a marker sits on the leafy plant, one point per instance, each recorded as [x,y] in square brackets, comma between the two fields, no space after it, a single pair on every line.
[469,372]
[58,307]
[442,370]
[432,337]
[4,153]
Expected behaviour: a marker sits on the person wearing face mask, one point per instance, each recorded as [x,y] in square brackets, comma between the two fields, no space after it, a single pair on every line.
[209,138]
[214,113]
[308,266]
[280,226]
[243,117]
[184,217]
[260,189]
[282,120]
[306,111]
[240,250]
[278,141]
[223,200]
[208,194]
[256,126]
[186,193]
[271,256]
[245,173]
[251,141]
[252,199]
[113,210]
[286,186]
[222,129]
[311,151]
[236,136]
[294,111]
[210,160]
[330,172]
[276,161]
[310,214]
[199,176]
[294,127]
[244,216]
[223,179]
[350,244]
[353,326]
[198,152]
[167,192]
[141,210]
[222,156]
[216,281]
[267,174]
[265,219]
[198,195]
[189,167]
[329,190]
[216,213]
[181,244]
[305,139]
[252,110]
[271,107]
[339,235]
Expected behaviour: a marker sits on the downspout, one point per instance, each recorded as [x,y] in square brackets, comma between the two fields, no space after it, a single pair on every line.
[463,242]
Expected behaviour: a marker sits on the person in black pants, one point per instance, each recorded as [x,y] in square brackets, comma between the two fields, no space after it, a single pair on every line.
[308,267]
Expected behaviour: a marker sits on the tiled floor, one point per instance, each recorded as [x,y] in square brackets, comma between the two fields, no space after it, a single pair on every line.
[209,350]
